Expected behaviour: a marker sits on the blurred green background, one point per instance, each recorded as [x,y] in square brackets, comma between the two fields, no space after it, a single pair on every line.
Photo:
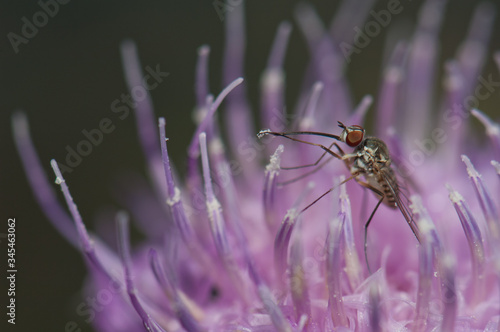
[66,77]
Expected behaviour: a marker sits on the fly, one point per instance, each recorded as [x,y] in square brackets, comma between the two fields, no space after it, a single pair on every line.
[369,165]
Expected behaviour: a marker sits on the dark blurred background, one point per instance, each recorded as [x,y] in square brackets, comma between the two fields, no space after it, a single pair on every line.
[66,77]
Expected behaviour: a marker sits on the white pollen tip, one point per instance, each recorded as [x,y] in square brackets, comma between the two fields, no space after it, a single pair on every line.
[176,198]
[57,171]
[291,214]
[492,129]
[216,146]
[393,74]
[213,205]
[455,197]
[303,321]
[263,133]
[416,204]
[273,79]
[367,100]
[448,260]
[496,164]
[306,123]
[470,168]
[274,164]
[425,226]
[204,50]
[318,86]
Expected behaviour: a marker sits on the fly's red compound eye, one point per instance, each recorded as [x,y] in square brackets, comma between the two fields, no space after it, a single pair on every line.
[354,135]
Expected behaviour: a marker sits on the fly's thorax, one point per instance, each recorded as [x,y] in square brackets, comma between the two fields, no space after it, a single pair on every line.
[373,162]
[371,155]
[374,149]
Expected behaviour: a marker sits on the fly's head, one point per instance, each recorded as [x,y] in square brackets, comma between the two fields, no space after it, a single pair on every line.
[352,135]
[372,153]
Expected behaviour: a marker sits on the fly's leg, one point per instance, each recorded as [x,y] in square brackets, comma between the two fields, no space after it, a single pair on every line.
[382,196]
[364,201]
[300,177]
[327,192]
[310,165]
[327,150]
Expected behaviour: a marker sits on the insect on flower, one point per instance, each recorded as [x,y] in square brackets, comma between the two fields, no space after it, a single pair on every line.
[369,165]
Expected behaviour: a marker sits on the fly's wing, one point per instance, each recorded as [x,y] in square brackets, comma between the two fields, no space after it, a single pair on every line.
[401,199]
[406,177]
[398,164]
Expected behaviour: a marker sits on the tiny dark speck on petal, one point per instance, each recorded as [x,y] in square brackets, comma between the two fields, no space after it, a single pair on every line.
[214,293]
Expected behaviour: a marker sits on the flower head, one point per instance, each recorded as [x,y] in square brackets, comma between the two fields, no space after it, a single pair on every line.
[282,247]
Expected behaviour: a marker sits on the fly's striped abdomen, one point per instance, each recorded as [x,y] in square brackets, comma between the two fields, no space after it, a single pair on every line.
[389,199]
[386,185]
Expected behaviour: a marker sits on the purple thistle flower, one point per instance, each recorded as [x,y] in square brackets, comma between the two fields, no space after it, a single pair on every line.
[249,257]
